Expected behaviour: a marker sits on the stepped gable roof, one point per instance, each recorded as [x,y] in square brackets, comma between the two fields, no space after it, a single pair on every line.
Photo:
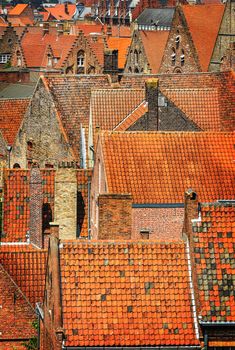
[140,294]
[110,106]
[27,267]
[59,11]
[97,46]
[122,45]
[154,43]
[12,112]
[14,303]
[157,167]
[18,9]
[35,41]
[133,117]
[214,241]
[71,95]
[204,22]
[160,17]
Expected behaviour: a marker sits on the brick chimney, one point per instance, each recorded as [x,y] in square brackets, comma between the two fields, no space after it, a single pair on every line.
[115,216]
[110,61]
[151,96]
[36,201]
[190,212]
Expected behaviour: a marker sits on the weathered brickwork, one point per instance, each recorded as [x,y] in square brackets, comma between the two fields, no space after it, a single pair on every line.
[114,216]
[180,44]
[161,223]
[225,38]
[134,65]
[66,202]
[7,42]
[46,140]
[83,189]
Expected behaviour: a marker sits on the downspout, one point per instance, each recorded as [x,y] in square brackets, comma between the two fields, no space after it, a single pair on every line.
[205,340]
[89,207]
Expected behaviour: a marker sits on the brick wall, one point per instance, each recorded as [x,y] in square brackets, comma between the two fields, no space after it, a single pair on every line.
[15,76]
[142,66]
[163,223]
[8,42]
[114,216]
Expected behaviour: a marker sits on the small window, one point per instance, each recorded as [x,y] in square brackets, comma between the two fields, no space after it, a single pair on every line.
[173,56]
[144,233]
[80,59]
[16,166]
[177,41]
[182,58]
[136,55]
[5,57]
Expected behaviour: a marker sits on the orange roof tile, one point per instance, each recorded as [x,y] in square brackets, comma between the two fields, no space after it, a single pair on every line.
[59,13]
[12,112]
[157,167]
[154,43]
[204,23]
[27,267]
[133,117]
[110,106]
[17,315]
[202,106]
[97,47]
[122,45]
[126,294]
[18,9]
[214,242]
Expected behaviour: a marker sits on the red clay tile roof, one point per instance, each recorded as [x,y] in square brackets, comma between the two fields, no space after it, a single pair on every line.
[16,205]
[12,112]
[157,167]
[20,21]
[71,95]
[110,106]
[87,28]
[133,117]
[214,242]
[2,22]
[58,12]
[154,43]
[27,267]
[16,315]
[126,294]
[122,45]
[97,47]
[18,9]
[204,23]
[202,106]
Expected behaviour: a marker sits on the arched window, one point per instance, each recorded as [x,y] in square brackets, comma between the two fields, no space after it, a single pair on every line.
[136,70]
[173,56]
[130,70]
[136,57]
[18,56]
[49,60]
[16,166]
[182,58]
[80,59]
[177,39]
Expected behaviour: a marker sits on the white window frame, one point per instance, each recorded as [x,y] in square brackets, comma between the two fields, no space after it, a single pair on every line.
[5,57]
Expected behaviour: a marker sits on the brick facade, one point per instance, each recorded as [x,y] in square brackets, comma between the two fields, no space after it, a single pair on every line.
[7,42]
[114,216]
[180,44]
[134,65]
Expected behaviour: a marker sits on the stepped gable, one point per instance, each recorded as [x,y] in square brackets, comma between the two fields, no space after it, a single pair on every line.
[158,166]
[154,43]
[17,314]
[12,112]
[27,267]
[214,241]
[72,99]
[110,107]
[203,23]
[122,45]
[129,294]
[213,92]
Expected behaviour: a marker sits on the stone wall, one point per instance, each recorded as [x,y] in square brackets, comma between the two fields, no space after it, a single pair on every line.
[66,203]
[42,129]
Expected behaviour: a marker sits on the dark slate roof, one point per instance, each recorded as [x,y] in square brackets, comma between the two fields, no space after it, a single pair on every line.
[160,17]
[10,90]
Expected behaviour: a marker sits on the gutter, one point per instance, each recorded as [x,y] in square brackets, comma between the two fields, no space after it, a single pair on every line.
[131,347]
[158,205]
[217,324]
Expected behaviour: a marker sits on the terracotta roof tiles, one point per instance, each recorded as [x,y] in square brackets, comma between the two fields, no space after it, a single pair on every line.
[204,23]
[154,43]
[122,45]
[214,242]
[12,112]
[133,117]
[18,9]
[157,167]
[59,13]
[126,294]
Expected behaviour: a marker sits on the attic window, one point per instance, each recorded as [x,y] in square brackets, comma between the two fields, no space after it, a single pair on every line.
[5,57]
[177,41]
[182,57]
[145,233]
[173,56]
[80,59]
[49,60]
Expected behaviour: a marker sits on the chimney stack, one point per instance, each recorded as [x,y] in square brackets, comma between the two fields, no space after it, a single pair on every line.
[151,96]
[190,212]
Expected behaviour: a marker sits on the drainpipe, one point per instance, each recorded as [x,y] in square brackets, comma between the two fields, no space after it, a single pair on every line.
[89,206]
